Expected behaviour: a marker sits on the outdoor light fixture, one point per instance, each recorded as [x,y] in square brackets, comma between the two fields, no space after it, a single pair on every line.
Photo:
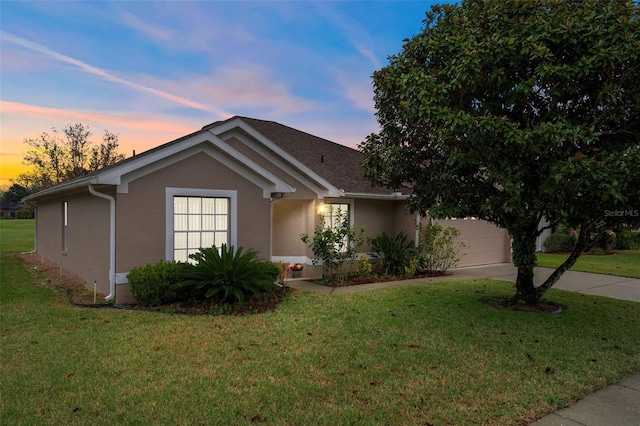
[321,208]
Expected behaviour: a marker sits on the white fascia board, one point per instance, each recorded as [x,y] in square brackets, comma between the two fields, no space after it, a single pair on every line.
[392,196]
[61,188]
[114,176]
[322,191]
[220,151]
[293,163]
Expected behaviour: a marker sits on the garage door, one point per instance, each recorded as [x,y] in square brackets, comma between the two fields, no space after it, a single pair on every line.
[484,242]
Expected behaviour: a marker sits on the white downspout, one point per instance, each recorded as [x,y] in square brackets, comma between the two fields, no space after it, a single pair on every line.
[112,241]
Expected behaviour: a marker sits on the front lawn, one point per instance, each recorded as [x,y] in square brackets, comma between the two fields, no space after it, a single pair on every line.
[623,263]
[434,354]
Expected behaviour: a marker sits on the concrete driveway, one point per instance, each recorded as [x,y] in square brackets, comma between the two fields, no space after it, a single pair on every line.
[580,282]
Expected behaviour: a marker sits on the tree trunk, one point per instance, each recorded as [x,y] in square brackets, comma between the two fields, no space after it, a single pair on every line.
[583,243]
[524,257]
[526,293]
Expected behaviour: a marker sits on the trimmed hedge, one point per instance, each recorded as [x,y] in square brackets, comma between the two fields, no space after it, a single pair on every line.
[560,242]
[153,285]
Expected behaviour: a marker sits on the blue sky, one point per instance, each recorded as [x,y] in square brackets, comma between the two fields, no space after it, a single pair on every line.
[155,71]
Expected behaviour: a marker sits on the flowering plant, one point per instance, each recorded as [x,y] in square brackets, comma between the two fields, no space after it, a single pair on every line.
[296,267]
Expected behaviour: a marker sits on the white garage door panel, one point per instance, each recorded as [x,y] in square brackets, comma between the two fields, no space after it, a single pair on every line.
[484,242]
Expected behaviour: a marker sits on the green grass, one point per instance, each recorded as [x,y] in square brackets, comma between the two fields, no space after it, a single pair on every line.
[415,355]
[624,263]
[16,235]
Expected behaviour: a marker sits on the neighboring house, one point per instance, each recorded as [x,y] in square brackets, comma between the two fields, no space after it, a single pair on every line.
[9,209]
[242,181]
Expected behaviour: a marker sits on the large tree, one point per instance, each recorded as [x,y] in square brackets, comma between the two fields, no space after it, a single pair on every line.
[14,193]
[515,111]
[57,158]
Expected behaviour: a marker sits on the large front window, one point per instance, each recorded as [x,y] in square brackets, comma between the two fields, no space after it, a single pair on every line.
[199,222]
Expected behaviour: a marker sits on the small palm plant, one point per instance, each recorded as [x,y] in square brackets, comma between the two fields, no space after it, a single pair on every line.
[396,252]
[230,273]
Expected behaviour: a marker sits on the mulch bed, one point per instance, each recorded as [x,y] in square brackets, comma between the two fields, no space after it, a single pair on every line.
[79,293]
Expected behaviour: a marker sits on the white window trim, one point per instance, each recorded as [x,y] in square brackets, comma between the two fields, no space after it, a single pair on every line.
[195,192]
[350,205]
[65,226]
[348,201]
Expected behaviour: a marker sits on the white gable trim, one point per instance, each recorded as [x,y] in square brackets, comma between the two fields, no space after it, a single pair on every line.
[286,162]
[216,149]
[320,189]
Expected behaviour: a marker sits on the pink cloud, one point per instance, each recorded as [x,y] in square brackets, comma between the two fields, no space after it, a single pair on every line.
[20,61]
[108,76]
[126,120]
[187,26]
[136,131]
[243,86]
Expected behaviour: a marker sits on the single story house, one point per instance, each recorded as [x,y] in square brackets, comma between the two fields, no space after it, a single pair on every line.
[9,209]
[242,181]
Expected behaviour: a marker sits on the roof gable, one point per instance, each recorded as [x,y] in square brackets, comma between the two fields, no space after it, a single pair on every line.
[331,169]
[337,164]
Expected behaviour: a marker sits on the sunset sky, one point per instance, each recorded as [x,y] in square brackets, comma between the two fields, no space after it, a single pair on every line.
[154,71]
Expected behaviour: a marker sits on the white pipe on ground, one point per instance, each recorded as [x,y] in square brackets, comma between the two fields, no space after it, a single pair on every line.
[112,240]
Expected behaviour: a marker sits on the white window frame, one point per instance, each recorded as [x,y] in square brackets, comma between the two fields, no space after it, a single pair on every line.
[65,225]
[348,203]
[329,208]
[232,195]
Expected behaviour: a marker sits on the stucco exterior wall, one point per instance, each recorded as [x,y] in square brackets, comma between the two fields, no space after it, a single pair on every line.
[405,221]
[141,213]
[291,218]
[294,217]
[378,216]
[87,253]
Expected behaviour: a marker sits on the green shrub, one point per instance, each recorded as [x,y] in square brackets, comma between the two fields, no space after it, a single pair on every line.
[439,247]
[628,239]
[333,247]
[560,241]
[364,266]
[25,212]
[152,285]
[229,273]
[603,242]
[412,268]
[395,252]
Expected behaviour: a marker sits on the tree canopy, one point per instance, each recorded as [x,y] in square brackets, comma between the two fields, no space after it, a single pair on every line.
[14,193]
[516,111]
[57,158]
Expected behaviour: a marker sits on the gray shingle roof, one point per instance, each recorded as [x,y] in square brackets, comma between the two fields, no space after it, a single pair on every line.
[338,164]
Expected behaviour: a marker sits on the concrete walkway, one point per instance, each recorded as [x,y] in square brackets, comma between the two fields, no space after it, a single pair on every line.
[617,404]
